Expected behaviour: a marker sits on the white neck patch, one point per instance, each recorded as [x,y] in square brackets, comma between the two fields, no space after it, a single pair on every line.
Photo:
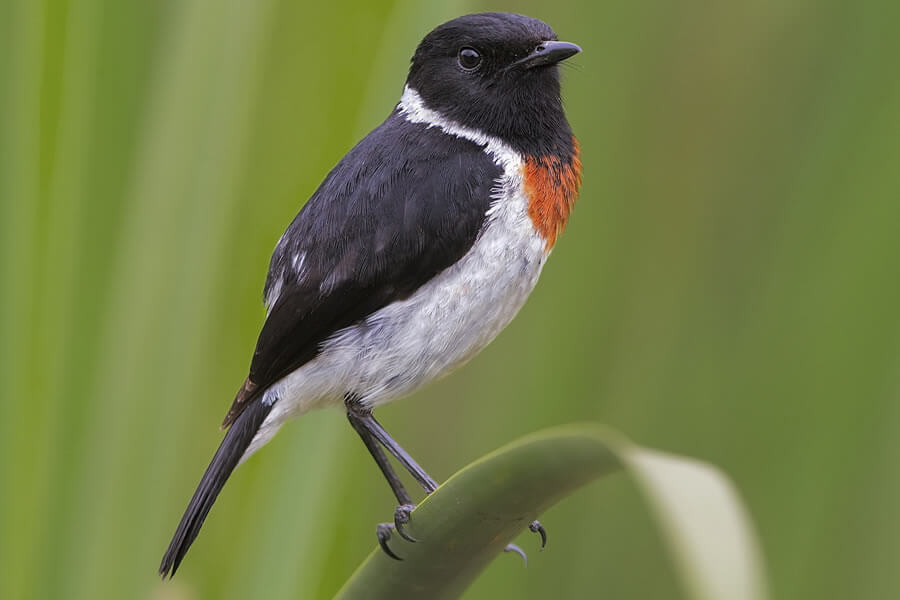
[413,108]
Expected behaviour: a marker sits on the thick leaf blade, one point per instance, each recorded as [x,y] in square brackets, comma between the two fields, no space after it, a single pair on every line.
[469,520]
[708,532]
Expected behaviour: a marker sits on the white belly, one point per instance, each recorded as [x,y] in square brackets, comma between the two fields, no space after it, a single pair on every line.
[410,343]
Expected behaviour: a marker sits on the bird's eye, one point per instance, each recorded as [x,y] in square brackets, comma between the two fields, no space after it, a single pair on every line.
[469,59]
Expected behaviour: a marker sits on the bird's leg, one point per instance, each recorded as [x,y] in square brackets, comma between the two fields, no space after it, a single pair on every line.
[382,460]
[365,419]
[373,434]
[383,530]
[357,417]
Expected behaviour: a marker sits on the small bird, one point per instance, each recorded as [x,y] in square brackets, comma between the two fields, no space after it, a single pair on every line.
[416,250]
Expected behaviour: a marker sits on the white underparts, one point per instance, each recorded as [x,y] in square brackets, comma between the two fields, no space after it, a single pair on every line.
[412,342]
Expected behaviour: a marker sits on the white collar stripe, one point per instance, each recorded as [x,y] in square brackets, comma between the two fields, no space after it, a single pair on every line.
[413,108]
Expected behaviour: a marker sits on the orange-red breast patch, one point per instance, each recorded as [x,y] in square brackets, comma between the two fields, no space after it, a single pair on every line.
[552,188]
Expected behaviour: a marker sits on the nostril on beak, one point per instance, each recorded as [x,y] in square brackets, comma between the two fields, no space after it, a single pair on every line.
[540,48]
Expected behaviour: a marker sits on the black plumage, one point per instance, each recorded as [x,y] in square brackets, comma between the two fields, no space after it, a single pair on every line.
[223,463]
[404,204]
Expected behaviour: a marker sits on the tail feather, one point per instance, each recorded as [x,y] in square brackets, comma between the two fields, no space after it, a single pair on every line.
[223,463]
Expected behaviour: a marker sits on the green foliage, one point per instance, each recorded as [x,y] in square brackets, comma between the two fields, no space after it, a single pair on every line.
[469,520]
[727,289]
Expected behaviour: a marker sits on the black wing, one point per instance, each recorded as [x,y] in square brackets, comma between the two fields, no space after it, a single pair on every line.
[404,204]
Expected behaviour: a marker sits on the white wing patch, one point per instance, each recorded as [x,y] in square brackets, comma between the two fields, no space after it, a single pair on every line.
[274,293]
[298,259]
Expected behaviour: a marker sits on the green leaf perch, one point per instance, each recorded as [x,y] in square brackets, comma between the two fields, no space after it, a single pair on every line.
[469,519]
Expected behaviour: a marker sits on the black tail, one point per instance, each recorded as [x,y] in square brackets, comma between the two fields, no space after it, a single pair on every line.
[223,463]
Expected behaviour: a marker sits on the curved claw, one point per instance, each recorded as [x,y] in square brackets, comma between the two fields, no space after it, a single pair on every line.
[517,550]
[383,532]
[401,518]
[536,527]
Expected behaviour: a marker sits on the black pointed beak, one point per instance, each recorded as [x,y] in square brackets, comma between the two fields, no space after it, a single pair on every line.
[549,53]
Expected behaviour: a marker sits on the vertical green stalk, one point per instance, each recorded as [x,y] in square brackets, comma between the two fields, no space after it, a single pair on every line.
[20,68]
[177,212]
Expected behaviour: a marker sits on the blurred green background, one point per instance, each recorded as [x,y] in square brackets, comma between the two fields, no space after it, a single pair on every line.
[727,289]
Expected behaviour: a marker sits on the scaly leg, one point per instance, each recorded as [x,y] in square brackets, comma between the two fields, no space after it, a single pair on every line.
[372,434]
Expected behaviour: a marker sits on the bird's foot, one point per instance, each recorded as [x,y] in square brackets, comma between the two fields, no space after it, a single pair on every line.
[383,533]
[383,530]
[401,518]
[536,527]
[517,550]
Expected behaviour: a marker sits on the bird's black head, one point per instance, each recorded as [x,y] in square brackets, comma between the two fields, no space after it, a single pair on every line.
[498,73]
